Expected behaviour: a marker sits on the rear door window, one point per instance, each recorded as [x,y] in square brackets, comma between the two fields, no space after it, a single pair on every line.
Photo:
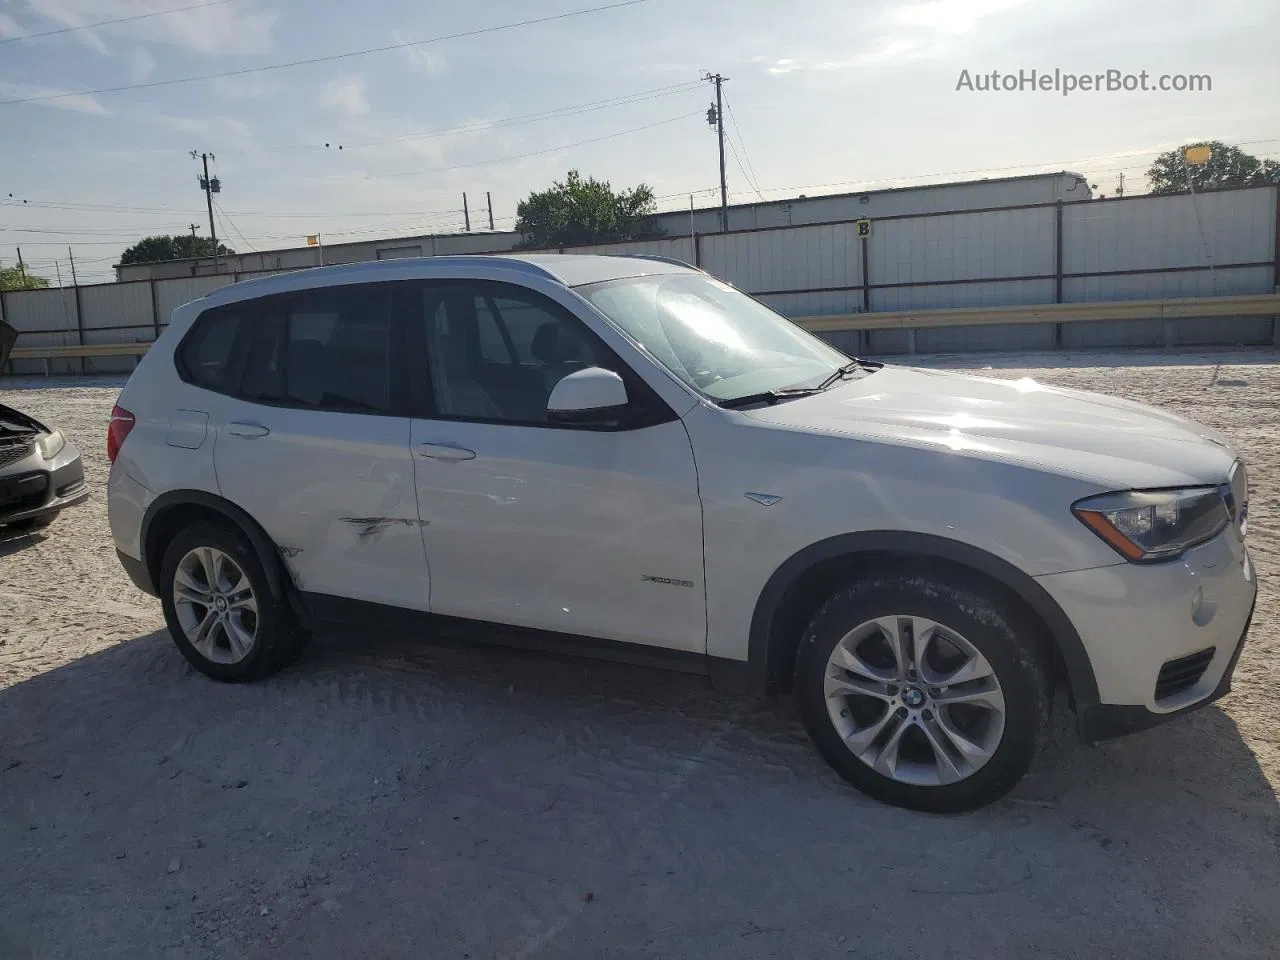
[328,349]
[205,357]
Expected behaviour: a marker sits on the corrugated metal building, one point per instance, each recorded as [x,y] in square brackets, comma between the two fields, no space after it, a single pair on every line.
[900,201]
[1148,249]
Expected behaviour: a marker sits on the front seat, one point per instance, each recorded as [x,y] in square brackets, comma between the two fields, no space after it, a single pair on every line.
[458,393]
[558,348]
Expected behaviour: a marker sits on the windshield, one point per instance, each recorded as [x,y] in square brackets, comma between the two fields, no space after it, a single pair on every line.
[718,340]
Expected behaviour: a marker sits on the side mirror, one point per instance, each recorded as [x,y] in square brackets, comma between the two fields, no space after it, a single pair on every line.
[593,395]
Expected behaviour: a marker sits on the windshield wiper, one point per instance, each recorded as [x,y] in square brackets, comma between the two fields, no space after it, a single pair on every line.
[769,396]
[790,393]
[853,366]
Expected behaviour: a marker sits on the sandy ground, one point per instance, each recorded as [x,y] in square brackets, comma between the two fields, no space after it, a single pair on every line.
[386,799]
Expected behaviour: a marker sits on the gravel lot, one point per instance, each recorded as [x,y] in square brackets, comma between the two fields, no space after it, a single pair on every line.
[387,799]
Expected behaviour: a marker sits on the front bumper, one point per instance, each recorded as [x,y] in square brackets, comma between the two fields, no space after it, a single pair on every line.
[1134,619]
[32,487]
[1105,721]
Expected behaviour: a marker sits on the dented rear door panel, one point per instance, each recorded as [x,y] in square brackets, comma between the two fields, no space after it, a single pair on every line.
[335,492]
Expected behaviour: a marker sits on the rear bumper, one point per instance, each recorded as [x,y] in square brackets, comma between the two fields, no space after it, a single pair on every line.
[138,573]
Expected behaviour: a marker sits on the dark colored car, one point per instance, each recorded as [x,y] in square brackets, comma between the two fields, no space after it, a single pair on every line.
[40,472]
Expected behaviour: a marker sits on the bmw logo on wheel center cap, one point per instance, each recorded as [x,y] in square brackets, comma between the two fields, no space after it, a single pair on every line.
[912,697]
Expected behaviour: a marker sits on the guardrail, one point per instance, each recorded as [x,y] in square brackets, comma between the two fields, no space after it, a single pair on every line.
[1165,310]
[1256,305]
[75,351]
[1264,304]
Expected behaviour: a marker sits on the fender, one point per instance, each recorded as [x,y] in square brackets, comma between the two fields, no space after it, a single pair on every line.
[1084,686]
[276,578]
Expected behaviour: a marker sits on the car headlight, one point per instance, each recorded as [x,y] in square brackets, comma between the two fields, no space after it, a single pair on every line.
[1149,525]
[51,444]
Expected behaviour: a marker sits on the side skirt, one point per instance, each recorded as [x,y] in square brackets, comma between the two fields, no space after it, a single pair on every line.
[323,611]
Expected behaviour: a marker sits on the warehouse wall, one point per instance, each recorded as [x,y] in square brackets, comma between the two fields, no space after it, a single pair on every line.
[1090,251]
[827,208]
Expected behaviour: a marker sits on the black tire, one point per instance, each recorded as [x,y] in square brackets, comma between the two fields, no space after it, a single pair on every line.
[278,638]
[1010,645]
[32,524]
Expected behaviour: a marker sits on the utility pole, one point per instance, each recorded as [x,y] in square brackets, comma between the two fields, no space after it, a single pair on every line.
[22,267]
[1199,155]
[193,238]
[715,118]
[466,214]
[71,257]
[210,186]
[1120,186]
[488,198]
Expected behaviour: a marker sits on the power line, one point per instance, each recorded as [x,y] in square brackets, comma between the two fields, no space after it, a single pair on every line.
[412,218]
[106,23]
[76,206]
[328,58]
[752,179]
[83,206]
[227,220]
[85,231]
[1023,166]
[556,114]
[523,156]
[745,176]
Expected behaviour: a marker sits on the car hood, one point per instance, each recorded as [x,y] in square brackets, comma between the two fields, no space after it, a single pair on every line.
[16,422]
[13,421]
[1116,443]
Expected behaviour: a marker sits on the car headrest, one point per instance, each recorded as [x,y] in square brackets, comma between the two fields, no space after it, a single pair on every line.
[555,342]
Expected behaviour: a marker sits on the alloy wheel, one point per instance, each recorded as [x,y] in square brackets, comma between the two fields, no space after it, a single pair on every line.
[914,700]
[216,606]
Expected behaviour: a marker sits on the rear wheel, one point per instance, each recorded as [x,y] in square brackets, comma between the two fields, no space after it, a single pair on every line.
[220,609]
[923,693]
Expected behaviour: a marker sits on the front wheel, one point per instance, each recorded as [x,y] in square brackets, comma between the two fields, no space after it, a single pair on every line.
[921,692]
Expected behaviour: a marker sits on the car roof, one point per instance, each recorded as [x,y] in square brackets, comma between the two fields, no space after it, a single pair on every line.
[569,269]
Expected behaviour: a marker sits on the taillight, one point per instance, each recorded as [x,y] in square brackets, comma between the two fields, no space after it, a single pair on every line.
[122,422]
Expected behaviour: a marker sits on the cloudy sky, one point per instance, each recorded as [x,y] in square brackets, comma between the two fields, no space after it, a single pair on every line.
[825,96]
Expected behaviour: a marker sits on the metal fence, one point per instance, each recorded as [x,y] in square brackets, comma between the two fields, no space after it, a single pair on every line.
[1220,243]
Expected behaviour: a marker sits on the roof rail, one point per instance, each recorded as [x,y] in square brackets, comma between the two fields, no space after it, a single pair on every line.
[654,256]
[508,258]
[373,266]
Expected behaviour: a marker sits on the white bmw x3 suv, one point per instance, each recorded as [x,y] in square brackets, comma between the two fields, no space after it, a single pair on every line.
[624,456]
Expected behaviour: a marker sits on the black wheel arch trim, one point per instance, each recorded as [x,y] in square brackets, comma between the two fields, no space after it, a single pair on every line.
[1084,686]
[267,551]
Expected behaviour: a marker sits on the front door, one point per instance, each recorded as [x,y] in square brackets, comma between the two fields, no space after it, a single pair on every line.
[595,532]
[316,445]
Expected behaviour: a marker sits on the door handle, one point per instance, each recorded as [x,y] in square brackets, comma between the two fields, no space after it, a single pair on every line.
[445,451]
[250,430]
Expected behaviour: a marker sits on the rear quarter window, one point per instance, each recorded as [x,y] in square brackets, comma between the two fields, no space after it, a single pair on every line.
[204,358]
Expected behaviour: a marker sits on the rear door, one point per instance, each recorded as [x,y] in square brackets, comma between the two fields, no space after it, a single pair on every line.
[315,446]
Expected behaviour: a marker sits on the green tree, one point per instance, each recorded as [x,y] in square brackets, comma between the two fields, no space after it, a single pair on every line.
[1228,167]
[581,211]
[15,278]
[180,246]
